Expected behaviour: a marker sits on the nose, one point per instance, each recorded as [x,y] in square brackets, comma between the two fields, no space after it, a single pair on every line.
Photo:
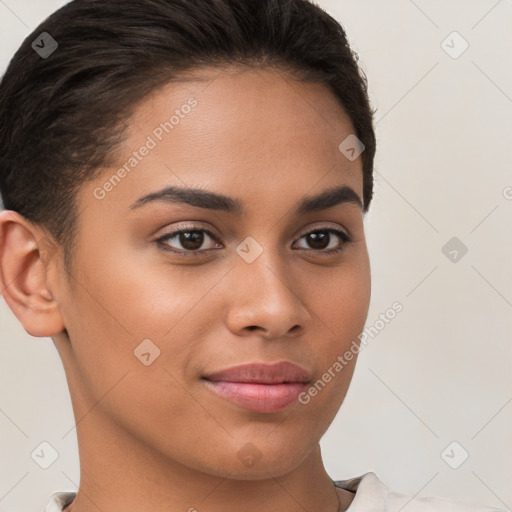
[266,299]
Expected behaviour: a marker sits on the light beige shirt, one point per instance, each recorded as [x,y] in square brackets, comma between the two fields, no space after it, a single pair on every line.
[371,495]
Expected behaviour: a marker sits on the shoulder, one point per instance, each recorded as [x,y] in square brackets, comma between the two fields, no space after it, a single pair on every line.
[372,495]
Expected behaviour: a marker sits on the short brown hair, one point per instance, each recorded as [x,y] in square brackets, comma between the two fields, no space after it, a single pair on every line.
[62,116]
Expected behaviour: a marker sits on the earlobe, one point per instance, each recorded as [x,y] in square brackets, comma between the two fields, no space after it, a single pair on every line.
[24,264]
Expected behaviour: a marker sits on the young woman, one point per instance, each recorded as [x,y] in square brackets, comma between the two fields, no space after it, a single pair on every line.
[185,183]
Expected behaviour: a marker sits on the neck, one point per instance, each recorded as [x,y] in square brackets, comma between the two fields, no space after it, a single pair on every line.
[117,473]
[121,471]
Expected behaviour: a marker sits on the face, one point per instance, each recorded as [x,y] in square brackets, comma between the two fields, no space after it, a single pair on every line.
[261,275]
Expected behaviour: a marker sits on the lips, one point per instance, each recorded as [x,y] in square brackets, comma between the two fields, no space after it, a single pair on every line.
[260,387]
[262,374]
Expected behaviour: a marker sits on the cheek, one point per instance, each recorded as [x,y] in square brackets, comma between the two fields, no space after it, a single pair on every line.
[342,302]
[125,308]
[138,297]
[114,309]
[341,307]
[345,307]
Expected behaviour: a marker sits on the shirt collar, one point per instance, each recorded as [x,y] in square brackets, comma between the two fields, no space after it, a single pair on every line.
[59,500]
[370,493]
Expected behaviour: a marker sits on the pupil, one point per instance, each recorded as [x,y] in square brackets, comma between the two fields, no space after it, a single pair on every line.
[191,240]
[321,236]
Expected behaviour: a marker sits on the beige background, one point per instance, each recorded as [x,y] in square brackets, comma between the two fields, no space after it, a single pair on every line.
[440,371]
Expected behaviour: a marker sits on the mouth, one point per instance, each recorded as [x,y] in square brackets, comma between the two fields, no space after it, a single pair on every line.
[264,388]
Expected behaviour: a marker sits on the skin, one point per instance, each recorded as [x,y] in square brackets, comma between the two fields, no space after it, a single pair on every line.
[154,437]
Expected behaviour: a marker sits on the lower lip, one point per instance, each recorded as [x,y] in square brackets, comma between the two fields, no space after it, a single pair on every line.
[258,397]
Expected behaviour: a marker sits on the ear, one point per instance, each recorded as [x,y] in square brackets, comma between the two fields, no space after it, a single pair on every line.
[25,254]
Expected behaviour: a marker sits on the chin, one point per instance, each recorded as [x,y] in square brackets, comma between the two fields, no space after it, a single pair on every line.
[251,463]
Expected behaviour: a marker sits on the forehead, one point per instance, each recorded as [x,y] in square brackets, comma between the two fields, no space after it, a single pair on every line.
[251,134]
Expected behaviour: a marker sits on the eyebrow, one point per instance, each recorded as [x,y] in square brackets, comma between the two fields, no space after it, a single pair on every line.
[213,201]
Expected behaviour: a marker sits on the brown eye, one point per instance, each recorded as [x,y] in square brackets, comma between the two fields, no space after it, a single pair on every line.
[318,239]
[190,241]
[324,240]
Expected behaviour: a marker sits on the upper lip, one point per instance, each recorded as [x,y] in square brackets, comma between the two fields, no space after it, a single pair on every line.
[258,373]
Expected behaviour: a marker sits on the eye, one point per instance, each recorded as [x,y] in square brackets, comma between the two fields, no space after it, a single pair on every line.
[191,239]
[322,240]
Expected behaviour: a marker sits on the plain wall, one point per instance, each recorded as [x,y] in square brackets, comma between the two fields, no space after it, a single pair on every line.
[438,372]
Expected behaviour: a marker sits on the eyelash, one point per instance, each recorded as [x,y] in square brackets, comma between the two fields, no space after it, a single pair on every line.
[345,238]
